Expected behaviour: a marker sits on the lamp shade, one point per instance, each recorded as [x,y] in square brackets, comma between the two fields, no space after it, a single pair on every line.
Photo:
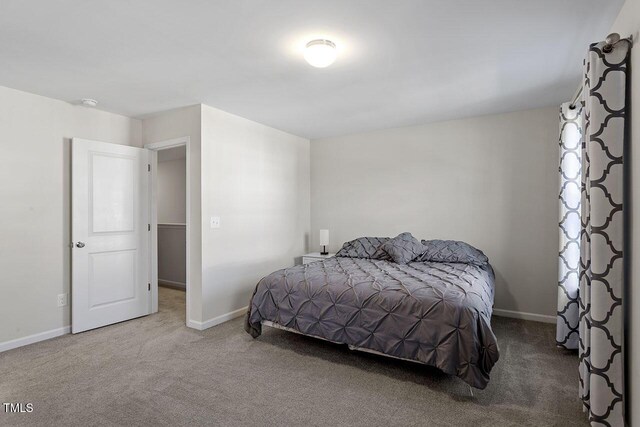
[324,237]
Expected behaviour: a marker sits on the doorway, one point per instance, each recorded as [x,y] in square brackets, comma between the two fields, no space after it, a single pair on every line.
[169,207]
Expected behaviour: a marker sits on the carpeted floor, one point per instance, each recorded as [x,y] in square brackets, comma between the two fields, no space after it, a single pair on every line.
[156,371]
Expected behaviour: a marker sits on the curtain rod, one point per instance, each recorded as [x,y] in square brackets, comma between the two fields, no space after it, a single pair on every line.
[575,97]
[610,42]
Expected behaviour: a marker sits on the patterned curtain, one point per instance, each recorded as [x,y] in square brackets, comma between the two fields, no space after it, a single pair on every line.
[602,235]
[569,260]
[591,273]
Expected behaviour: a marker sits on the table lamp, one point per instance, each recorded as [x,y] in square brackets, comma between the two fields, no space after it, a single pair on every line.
[324,241]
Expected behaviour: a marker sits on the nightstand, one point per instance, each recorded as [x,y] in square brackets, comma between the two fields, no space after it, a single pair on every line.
[314,256]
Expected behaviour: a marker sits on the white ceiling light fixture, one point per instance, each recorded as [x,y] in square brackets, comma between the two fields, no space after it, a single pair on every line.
[88,102]
[320,53]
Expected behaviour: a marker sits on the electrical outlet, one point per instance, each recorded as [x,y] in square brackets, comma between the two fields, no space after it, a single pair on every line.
[62,300]
[215,222]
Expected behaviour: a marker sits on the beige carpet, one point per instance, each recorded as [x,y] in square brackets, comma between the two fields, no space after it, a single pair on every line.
[155,371]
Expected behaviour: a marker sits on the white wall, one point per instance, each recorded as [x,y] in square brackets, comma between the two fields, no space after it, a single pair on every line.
[172,191]
[628,23]
[490,181]
[35,135]
[257,180]
[176,124]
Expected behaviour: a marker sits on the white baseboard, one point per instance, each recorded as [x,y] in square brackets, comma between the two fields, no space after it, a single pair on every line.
[525,316]
[216,320]
[42,336]
[19,342]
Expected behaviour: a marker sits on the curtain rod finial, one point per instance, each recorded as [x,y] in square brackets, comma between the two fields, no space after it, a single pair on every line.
[610,41]
[612,38]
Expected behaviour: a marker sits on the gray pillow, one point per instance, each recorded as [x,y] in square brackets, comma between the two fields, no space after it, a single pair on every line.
[452,251]
[402,249]
[363,247]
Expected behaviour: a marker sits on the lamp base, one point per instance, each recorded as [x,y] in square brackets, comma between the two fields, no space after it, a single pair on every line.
[324,251]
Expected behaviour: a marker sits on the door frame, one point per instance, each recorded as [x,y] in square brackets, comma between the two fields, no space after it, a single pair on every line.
[154,147]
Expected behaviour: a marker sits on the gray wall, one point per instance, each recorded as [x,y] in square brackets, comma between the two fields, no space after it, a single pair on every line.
[172,200]
[172,255]
[490,181]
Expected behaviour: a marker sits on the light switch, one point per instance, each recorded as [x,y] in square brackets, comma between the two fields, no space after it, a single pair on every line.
[215,222]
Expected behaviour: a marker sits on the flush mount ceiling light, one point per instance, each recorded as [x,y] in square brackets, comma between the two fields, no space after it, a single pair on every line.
[88,102]
[320,53]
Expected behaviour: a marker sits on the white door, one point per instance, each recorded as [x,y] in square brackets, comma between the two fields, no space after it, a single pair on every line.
[110,234]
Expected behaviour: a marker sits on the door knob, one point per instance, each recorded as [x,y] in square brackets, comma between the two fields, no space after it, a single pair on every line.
[80,245]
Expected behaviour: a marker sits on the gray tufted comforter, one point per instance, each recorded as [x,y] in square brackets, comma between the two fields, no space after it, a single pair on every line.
[429,312]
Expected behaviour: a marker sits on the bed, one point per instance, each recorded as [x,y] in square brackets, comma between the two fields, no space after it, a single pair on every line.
[423,310]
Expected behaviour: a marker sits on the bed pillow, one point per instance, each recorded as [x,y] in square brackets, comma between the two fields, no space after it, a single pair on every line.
[452,251]
[402,249]
[363,247]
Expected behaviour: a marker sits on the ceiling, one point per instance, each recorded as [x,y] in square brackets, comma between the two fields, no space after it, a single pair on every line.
[174,153]
[400,62]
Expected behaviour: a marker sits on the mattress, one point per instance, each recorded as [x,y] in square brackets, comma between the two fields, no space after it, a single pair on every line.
[434,313]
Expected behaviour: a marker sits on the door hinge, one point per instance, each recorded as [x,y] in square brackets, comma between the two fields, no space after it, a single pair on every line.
[149,286]
[148,227]
[148,167]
